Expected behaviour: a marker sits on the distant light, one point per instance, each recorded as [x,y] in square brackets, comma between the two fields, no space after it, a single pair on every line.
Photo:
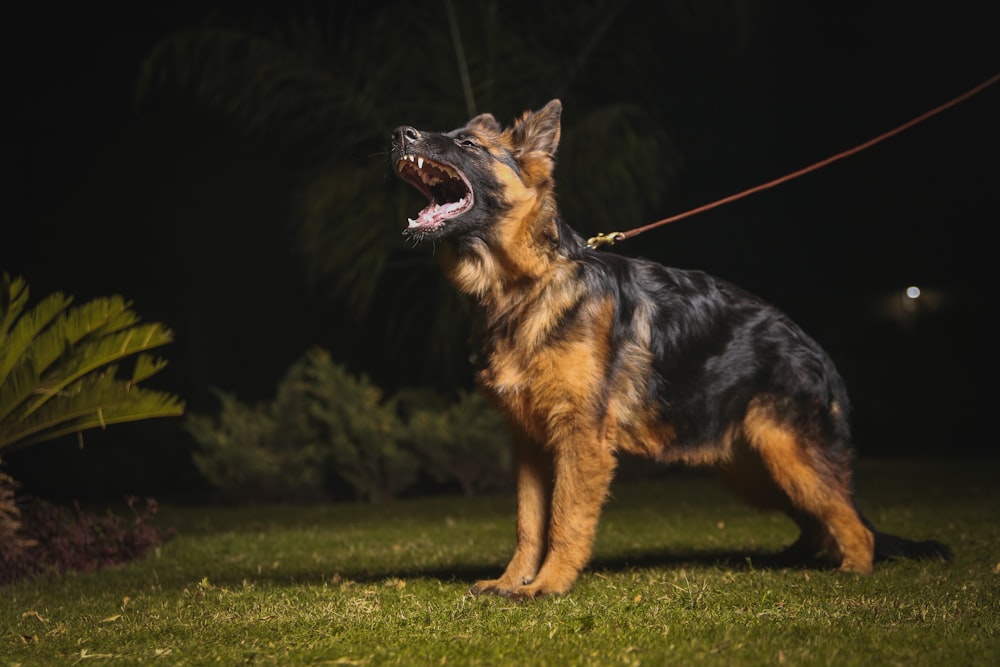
[912,292]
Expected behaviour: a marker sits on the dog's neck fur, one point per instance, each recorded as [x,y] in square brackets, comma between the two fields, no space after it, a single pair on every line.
[499,275]
[506,263]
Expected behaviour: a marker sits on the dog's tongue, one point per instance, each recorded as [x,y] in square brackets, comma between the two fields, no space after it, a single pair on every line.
[435,214]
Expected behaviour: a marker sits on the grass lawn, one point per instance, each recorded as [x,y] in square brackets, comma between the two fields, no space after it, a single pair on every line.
[679,577]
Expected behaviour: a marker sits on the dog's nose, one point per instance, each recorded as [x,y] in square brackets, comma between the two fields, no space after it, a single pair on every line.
[404,135]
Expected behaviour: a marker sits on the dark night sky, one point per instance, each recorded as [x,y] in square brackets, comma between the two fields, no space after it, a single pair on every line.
[916,209]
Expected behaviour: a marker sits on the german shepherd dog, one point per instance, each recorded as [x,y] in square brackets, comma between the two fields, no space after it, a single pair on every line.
[590,353]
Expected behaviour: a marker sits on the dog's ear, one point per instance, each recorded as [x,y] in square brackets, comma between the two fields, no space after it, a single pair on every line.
[485,121]
[538,131]
[534,139]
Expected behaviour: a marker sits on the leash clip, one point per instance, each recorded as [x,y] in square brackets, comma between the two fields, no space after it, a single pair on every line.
[595,242]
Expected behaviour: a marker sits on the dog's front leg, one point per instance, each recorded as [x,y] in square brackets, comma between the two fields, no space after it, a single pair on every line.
[584,467]
[534,498]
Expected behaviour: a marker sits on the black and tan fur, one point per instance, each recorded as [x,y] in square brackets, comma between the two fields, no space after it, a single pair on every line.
[591,353]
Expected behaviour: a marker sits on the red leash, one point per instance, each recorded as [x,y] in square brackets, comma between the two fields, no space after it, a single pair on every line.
[613,237]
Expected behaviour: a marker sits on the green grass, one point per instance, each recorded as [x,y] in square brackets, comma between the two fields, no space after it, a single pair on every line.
[679,577]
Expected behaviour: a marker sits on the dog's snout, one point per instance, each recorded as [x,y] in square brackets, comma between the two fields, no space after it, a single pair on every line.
[404,135]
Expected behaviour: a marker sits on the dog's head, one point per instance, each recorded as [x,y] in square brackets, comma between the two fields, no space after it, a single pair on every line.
[480,177]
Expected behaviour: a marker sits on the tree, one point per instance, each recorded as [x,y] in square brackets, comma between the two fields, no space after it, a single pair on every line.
[327,90]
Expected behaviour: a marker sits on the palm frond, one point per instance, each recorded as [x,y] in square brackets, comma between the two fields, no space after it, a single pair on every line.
[93,319]
[19,331]
[13,297]
[60,367]
[106,350]
[19,384]
[146,365]
[288,89]
[96,400]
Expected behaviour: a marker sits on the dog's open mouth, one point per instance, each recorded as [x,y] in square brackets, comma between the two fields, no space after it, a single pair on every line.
[447,189]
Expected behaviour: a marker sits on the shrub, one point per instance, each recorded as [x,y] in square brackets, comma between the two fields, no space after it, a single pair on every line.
[327,429]
[466,442]
[266,452]
[57,539]
[10,517]
[363,433]
[65,369]
[258,454]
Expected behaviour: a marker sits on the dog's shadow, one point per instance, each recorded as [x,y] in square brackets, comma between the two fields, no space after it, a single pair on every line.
[468,574]
[741,560]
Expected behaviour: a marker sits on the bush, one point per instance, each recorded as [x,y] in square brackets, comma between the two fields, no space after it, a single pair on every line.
[362,432]
[57,539]
[65,369]
[465,442]
[325,429]
[10,516]
[267,452]
[328,430]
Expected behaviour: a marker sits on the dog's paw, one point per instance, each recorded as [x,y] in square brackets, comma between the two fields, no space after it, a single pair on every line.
[526,593]
[490,587]
[513,592]
[485,587]
[530,590]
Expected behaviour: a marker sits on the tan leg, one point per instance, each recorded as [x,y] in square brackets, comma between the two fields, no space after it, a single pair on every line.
[534,492]
[814,489]
[584,469]
[745,473]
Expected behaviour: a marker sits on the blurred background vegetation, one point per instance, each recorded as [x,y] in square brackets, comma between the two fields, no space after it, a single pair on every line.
[225,165]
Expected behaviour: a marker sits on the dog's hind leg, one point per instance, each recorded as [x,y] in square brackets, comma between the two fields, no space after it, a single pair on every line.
[818,490]
[746,474]
[814,540]
[534,497]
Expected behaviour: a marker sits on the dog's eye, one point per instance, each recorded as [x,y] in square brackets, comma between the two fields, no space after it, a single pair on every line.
[468,143]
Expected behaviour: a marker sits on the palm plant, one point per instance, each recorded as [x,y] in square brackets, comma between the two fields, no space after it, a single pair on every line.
[328,90]
[60,366]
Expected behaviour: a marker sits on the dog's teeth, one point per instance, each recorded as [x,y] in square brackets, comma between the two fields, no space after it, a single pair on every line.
[420,163]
